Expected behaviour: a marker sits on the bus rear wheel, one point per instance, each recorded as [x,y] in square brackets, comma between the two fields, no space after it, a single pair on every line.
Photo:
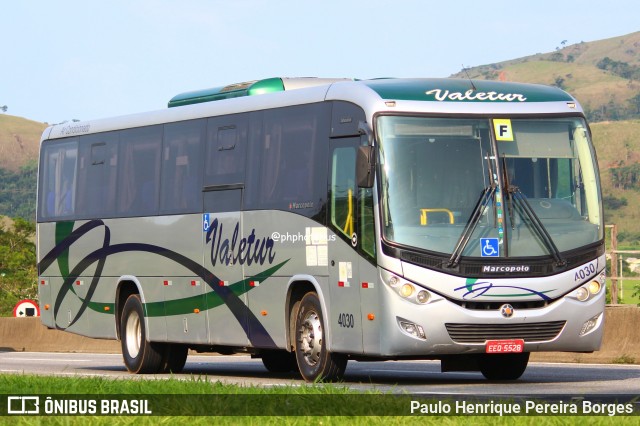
[279,361]
[140,356]
[174,357]
[503,366]
[315,362]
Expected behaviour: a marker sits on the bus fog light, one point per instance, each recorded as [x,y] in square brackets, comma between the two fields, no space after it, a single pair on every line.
[594,287]
[393,281]
[412,329]
[590,325]
[423,296]
[406,290]
[582,294]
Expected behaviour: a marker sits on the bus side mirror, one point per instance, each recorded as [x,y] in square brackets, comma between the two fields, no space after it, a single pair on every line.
[365,166]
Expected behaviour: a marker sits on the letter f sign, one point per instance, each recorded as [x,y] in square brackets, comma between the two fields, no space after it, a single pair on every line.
[503,129]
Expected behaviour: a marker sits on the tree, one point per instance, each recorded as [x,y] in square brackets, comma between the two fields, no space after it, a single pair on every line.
[18,275]
[4,108]
[635,102]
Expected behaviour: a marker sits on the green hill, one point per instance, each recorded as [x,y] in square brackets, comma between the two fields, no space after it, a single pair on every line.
[603,75]
[19,140]
[618,147]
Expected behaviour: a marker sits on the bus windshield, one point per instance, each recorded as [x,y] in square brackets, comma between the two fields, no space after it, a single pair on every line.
[517,187]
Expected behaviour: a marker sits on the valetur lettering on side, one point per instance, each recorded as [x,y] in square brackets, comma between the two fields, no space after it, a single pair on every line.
[238,249]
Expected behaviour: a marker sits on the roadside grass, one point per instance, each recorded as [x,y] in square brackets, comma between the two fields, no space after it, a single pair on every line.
[268,404]
[624,359]
[626,291]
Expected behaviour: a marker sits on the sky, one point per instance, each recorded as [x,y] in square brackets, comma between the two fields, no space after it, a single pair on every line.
[67,59]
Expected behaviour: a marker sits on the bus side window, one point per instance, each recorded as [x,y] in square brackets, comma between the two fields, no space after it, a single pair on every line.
[288,160]
[343,190]
[182,167]
[139,173]
[59,179]
[97,175]
[226,147]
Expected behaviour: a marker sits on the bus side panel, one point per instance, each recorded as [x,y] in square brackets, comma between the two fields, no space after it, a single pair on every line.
[163,253]
[344,317]
[267,305]
[227,317]
[293,246]
[185,309]
[44,300]
[68,314]
[370,307]
[101,315]
[63,293]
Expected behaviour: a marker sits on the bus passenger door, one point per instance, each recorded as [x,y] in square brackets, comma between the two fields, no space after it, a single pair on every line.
[223,193]
[343,310]
[369,287]
[227,302]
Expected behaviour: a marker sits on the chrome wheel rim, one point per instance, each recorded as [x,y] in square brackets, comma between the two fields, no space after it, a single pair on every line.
[133,334]
[311,338]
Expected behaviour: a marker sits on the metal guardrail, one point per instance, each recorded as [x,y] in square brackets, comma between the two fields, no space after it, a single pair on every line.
[616,264]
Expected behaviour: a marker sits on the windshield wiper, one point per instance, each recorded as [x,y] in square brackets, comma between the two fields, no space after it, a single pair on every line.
[520,200]
[486,197]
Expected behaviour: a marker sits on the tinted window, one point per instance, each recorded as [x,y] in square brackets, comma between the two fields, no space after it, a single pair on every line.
[98,174]
[58,184]
[343,190]
[226,145]
[288,159]
[181,167]
[139,171]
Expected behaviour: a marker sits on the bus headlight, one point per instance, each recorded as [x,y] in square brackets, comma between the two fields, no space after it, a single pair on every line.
[582,294]
[423,296]
[587,291]
[407,290]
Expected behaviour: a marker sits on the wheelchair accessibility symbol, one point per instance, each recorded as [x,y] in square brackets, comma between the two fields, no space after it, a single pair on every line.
[489,247]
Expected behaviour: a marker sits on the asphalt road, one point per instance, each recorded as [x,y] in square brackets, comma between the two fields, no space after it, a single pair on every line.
[415,377]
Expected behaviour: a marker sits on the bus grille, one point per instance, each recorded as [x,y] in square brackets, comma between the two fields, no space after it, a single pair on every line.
[529,332]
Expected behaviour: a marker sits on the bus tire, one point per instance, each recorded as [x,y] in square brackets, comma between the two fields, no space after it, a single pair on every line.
[174,358]
[279,361]
[503,366]
[140,356]
[315,362]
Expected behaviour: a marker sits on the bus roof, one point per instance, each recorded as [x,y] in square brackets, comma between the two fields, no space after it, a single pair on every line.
[435,95]
[459,90]
[249,88]
[435,89]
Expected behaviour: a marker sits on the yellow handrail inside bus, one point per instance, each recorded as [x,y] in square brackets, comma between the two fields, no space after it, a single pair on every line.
[424,213]
[348,226]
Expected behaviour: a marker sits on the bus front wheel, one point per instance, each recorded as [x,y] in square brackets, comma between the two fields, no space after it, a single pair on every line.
[314,361]
[140,356]
[503,366]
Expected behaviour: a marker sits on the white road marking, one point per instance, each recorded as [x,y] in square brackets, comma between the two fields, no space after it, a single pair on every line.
[48,359]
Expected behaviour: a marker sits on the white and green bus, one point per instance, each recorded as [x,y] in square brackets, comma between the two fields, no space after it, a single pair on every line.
[309,222]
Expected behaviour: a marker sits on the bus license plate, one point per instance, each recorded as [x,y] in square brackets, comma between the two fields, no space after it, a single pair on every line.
[504,346]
